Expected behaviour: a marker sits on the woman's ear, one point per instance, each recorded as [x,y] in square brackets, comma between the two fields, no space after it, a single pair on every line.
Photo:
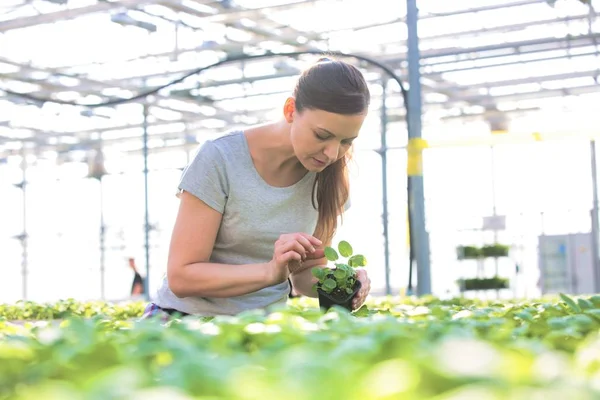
[289,109]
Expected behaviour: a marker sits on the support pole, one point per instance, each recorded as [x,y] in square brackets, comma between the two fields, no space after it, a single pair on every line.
[146,212]
[417,199]
[383,153]
[494,210]
[23,237]
[595,228]
[411,245]
[102,243]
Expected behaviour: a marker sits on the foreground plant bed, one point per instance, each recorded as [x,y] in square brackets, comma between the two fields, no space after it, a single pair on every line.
[409,349]
[31,311]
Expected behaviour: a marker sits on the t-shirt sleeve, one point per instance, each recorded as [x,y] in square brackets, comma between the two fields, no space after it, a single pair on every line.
[206,177]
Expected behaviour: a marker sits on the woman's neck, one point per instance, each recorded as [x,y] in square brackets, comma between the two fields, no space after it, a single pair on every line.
[272,147]
[273,154]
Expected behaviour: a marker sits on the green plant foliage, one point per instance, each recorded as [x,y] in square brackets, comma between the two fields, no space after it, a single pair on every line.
[343,275]
[494,250]
[469,252]
[357,261]
[331,254]
[28,310]
[393,348]
[345,249]
[484,283]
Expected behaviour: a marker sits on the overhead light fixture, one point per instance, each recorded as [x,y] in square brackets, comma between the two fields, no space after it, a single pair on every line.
[91,113]
[227,4]
[284,66]
[96,168]
[123,18]
[498,122]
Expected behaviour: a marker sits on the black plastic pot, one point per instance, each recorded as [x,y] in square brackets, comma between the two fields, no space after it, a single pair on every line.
[326,301]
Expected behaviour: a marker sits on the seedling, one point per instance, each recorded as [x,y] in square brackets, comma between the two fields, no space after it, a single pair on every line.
[337,286]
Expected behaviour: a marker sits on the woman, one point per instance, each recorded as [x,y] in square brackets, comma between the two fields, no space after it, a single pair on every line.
[259,206]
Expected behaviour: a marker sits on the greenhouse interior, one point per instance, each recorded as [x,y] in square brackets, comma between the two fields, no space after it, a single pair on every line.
[465,261]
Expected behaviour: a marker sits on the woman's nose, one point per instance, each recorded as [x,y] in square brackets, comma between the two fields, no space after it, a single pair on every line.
[332,151]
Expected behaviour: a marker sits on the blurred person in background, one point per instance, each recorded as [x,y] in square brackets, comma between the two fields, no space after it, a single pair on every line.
[137,287]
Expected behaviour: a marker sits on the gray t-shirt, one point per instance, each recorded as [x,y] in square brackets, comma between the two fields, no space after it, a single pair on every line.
[223,175]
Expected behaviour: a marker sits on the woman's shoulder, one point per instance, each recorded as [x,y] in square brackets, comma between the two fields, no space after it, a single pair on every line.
[222,148]
[228,140]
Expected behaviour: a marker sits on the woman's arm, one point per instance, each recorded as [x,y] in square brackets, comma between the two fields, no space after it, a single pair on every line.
[188,270]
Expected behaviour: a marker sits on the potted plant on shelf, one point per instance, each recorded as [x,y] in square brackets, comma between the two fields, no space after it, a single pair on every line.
[484,283]
[495,250]
[468,252]
[337,286]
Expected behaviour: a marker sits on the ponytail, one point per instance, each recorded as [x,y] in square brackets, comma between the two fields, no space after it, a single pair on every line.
[332,186]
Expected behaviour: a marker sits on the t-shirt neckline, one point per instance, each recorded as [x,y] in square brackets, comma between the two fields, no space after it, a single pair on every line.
[259,178]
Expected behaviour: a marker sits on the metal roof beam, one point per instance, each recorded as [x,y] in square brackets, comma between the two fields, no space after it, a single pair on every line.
[429,57]
[521,81]
[93,87]
[518,47]
[473,32]
[537,94]
[176,5]
[70,13]
[258,12]
[546,93]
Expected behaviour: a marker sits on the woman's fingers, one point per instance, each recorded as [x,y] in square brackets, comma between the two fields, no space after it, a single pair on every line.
[362,294]
[313,240]
[290,256]
[292,245]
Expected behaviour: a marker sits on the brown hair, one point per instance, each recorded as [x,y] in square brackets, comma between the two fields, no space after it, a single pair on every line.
[340,88]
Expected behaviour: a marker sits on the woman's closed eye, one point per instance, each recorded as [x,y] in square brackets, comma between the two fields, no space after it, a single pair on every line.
[321,136]
[325,136]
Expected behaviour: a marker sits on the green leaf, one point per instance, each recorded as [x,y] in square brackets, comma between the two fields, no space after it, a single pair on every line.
[331,254]
[570,302]
[594,313]
[557,323]
[595,300]
[344,267]
[329,284]
[340,274]
[319,273]
[348,290]
[585,304]
[345,248]
[357,260]
[362,312]
[524,315]
[584,321]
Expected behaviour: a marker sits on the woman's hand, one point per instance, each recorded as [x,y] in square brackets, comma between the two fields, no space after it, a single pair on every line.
[290,247]
[314,259]
[361,295]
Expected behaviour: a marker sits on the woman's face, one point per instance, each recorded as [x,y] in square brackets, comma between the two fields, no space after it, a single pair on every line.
[320,138]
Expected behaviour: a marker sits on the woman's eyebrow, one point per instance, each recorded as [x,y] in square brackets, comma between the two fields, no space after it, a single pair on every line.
[333,134]
[325,130]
